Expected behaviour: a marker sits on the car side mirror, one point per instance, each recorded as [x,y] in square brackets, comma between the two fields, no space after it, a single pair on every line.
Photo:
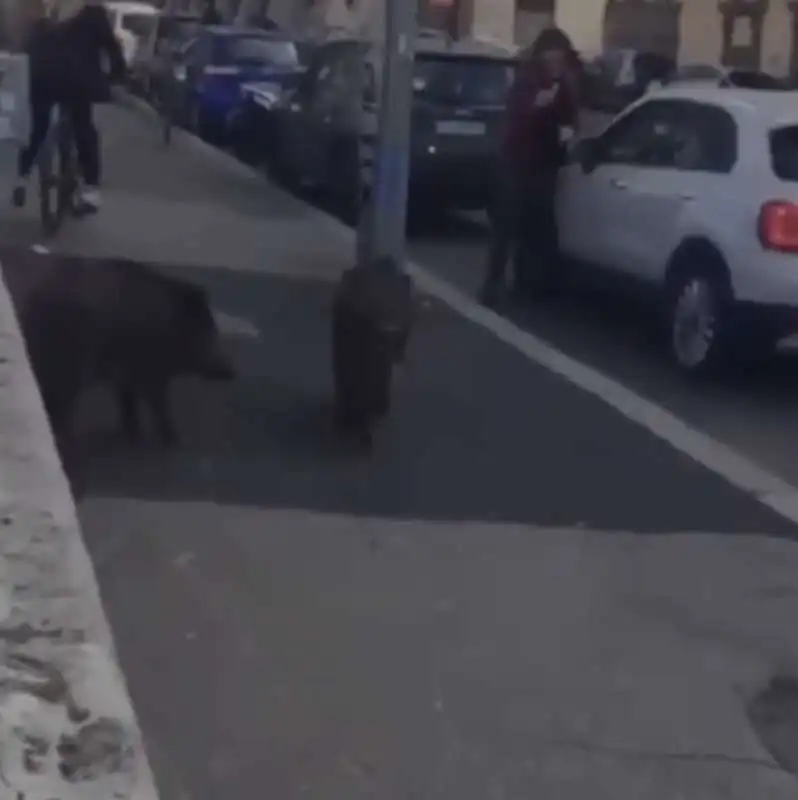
[586,152]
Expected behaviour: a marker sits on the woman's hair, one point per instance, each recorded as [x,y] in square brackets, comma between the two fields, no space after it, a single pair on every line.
[66,9]
[551,39]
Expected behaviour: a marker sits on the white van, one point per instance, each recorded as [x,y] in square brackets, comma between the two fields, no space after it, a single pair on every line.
[132,22]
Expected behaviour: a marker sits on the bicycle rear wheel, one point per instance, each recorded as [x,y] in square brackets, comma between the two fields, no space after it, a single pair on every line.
[66,177]
[166,128]
[48,186]
[165,114]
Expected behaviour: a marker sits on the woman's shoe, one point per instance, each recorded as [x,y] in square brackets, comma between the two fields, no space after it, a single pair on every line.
[89,200]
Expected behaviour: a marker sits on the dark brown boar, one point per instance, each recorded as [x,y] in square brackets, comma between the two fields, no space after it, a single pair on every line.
[372,314]
[120,323]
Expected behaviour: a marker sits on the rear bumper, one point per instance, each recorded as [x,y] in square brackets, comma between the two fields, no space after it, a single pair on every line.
[767,321]
[217,108]
[458,181]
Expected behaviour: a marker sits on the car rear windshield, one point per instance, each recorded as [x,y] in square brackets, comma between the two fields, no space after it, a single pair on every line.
[784,153]
[256,50]
[696,72]
[138,24]
[462,81]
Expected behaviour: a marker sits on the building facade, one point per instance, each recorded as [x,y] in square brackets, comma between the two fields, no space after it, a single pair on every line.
[761,34]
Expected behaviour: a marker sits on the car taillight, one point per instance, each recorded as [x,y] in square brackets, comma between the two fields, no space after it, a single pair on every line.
[778,226]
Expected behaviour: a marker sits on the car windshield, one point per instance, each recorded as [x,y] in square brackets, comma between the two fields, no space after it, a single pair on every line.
[784,153]
[304,52]
[256,50]
[652,67]
[462,82]
[754,80]
[138,24]
[697,72]
[179,31]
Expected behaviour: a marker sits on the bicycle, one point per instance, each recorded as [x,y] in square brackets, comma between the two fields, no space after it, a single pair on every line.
[58,177]
[165,113]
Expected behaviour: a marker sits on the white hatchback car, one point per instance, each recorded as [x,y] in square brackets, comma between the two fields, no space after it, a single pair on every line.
[693,192]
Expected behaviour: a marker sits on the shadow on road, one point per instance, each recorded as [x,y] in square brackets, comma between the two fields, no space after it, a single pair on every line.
[479,433]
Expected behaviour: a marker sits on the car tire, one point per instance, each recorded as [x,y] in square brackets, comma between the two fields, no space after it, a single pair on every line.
[279,168]
[199,125]
[699,307]
[346,193]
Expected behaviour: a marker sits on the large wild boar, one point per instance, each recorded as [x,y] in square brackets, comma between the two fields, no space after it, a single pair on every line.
[120,323]
[372,315]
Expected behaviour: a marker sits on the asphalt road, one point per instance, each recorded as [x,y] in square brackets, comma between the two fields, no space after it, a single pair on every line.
[754,410]
[473,612]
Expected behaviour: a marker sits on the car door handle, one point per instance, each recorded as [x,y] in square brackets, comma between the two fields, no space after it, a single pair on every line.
[618,184]
[686,197]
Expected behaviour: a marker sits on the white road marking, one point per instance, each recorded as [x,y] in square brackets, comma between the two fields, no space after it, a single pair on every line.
[735,467]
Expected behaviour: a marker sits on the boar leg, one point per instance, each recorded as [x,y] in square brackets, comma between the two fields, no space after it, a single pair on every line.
[161,409]
[129,417]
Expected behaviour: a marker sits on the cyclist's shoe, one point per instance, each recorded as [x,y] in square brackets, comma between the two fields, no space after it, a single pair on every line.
[89,199]
[19,195]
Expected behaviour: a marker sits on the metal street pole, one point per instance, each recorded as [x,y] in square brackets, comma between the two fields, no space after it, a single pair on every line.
[387,216]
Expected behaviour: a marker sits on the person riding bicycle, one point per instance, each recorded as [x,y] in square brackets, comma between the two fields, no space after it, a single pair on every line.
[67,50]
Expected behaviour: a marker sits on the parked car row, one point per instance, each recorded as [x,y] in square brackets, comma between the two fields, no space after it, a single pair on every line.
[690,194]
[689,197]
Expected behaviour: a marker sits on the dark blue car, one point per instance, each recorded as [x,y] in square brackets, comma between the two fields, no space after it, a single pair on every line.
[214,66]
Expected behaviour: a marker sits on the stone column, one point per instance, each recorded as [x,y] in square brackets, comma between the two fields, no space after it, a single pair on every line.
[742,24]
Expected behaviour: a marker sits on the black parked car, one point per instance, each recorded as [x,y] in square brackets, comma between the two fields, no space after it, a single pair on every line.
[251,123]
[325,130]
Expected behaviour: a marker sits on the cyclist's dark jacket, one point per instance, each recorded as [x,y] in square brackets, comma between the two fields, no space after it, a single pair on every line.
[68,57]
[46,71]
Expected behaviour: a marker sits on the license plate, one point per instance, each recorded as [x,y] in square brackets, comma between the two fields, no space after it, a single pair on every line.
[459,127]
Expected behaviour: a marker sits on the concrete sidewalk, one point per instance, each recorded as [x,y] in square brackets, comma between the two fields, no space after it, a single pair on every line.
[521,595]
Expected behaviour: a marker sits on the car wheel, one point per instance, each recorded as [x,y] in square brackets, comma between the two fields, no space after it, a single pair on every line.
[346,191]
[700,303]
[198,124]
[279,166]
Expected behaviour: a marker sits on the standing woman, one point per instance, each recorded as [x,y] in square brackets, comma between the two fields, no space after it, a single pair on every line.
[68,56]
[542,107]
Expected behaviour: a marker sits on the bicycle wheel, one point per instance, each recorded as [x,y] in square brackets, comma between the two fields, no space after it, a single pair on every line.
[166,127]
[48,203]
[165,113]
[66,178]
